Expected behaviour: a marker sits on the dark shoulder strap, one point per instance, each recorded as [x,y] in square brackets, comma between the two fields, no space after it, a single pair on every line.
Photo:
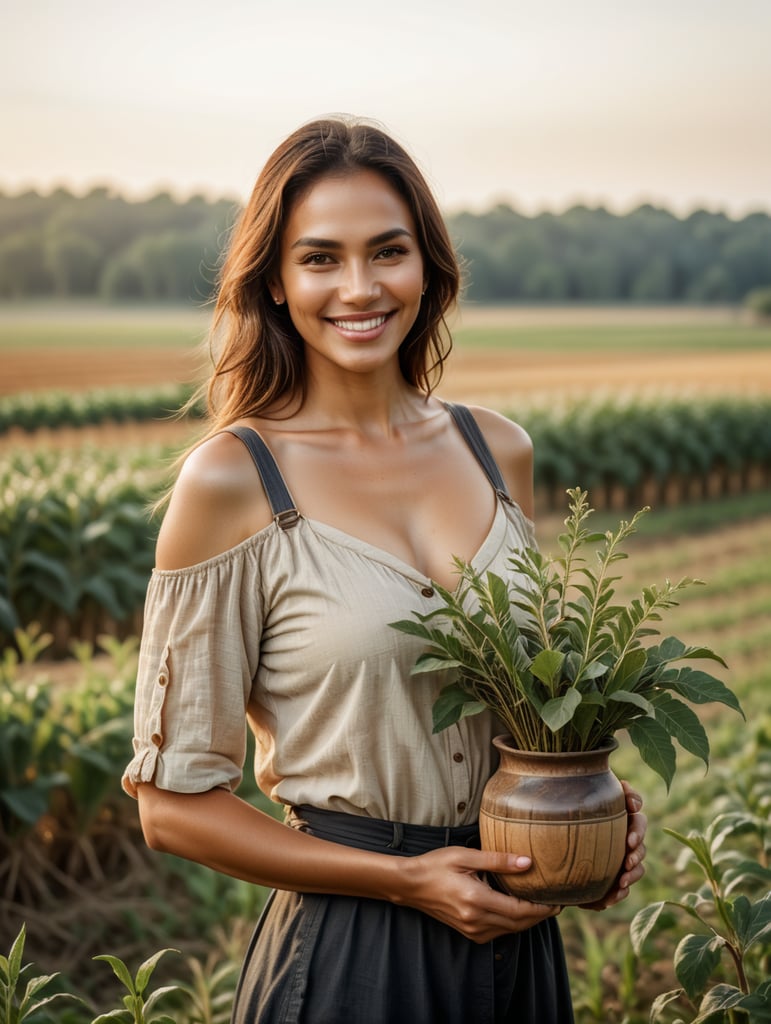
[469,427]
[281,502]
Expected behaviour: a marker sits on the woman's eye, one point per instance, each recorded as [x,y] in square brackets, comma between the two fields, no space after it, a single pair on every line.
[316,259]
[391,251]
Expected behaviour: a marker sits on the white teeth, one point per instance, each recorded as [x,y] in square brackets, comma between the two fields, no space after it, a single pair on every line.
[360,325]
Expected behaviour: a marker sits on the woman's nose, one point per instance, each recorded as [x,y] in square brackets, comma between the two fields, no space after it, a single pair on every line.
[359,284]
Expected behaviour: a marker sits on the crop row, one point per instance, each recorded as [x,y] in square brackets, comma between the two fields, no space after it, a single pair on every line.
[29,411]
[650,451]
[76,540]
[73,864]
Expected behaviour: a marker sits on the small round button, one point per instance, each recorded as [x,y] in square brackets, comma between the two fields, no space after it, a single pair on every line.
[157,739]
[462,805]
[427,591]
[457,757]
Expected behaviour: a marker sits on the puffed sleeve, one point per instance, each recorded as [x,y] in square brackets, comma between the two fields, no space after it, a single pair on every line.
[198,657]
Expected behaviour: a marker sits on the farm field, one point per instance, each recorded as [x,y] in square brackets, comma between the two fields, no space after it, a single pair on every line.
[499,354]
[505,358]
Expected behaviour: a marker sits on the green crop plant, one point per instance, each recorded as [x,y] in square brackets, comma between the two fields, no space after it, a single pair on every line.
[723,966]
[29,411]
[16,1005]
[650,450]
[76,539]
[138,1008]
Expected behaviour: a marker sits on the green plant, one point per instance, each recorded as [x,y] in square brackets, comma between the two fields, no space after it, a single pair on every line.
[558,662]
[734,929]
[137,1007]
[211,991]
[16,1007]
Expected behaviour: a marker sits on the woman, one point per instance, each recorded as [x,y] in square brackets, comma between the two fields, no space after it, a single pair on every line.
[272,598]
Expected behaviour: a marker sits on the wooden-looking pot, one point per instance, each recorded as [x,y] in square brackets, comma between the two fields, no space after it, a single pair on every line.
[565,811]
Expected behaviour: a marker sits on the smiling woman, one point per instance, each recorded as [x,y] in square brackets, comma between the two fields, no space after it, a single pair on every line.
[351,273]
[271,602]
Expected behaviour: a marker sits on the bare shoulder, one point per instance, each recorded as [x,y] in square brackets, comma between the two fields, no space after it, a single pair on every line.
[217,502]
[512,449]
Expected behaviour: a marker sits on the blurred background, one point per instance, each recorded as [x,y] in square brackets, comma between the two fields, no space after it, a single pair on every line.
[605,170]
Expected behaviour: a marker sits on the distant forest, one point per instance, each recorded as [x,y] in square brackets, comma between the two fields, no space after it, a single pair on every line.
[161,249]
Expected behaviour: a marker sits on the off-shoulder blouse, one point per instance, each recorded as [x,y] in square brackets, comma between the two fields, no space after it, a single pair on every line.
[289,631]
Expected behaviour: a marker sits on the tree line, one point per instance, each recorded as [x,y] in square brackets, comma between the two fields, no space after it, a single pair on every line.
[163,249]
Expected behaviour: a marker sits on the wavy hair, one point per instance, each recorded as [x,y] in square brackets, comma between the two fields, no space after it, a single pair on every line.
[258,354]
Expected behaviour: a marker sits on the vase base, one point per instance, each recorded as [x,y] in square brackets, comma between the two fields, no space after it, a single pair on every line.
[552,896]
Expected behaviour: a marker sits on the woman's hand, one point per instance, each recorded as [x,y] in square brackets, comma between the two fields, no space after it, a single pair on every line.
[632,869]
[448,885]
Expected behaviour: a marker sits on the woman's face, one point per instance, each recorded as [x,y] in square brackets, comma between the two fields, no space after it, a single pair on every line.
[351,272]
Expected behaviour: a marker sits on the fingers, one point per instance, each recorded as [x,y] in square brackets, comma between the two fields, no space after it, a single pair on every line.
[447,884]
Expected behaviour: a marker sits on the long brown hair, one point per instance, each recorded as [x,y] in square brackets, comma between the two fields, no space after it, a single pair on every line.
[259,361]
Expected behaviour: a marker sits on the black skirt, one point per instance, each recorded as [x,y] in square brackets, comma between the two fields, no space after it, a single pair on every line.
[318,959]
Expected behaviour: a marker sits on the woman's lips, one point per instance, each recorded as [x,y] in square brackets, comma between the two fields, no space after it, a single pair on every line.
[361,328]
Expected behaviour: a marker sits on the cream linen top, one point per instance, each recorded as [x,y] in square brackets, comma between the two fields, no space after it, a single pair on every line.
[289,631]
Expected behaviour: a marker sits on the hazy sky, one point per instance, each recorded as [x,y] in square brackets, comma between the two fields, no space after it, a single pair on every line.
[540,103]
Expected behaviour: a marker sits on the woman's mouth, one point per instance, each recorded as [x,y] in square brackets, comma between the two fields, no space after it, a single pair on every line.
[361,326]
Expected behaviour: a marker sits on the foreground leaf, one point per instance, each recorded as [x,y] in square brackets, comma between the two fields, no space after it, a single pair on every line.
[696,957]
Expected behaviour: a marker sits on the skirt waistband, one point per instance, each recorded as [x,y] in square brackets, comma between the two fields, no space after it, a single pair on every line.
[376,834]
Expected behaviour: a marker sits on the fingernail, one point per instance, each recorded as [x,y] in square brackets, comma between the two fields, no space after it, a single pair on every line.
[636,803]
[520,861]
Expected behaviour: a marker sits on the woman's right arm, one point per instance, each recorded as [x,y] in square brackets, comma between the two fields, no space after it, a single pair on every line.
[218,502]
[220,830]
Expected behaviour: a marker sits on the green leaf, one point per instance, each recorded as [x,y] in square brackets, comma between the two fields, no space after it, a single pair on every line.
[452,704]
[745,873]
[627,672]
[699,846]
[701,688]
[758,927]
[718,1000]
[146,969]
[558,711]
[546,666]
[660,1003]
[434,663]
[630,697]
[655,747]
[159,993]
[122,972]
[15,957]
[682,724]
[411,627]
[643,923]
[696,957]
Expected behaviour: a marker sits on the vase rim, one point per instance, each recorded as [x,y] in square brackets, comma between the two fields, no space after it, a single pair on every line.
[504,741]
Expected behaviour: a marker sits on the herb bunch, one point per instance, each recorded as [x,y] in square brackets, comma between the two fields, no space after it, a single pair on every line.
[560,663]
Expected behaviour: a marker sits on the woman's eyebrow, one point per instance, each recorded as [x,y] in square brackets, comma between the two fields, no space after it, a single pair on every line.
[308,242]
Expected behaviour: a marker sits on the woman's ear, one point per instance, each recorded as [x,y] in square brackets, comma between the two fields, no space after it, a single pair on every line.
[276,292]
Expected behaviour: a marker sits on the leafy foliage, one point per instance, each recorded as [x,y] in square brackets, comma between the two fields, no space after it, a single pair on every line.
[161,249]
[558,662]
[723,966]
[31,411]
[137,1008]
[16,1006]
[76,539]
